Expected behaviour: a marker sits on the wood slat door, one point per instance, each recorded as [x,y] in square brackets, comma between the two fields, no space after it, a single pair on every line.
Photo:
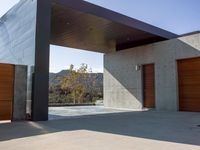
[189,84]
[149,86]
[6,91]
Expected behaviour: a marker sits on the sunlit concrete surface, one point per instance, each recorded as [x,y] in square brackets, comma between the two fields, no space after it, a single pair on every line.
[78,111]
[90,140]
[6,121]
[120,131]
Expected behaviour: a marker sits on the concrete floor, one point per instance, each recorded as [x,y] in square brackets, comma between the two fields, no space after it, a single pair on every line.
[78,111]
[119,131]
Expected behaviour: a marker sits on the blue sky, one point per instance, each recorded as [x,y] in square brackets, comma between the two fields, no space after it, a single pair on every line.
[178,16]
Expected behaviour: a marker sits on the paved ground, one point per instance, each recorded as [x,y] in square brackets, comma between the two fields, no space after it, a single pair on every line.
[77,111]
[122,131]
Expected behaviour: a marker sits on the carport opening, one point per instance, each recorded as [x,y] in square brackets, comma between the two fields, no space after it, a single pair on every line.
[75,82]
[84,26]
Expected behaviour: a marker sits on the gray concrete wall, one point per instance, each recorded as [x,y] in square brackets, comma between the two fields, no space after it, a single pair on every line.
[17,38]
[20,93]
[123,84]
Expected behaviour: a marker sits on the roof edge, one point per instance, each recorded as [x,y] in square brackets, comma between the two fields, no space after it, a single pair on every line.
[190,33]
[99,11]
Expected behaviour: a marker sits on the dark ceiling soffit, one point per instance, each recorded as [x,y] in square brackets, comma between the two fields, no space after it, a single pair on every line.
[89,8]
[131,44]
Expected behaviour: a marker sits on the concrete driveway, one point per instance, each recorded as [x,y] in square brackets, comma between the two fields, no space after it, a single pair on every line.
[120,131]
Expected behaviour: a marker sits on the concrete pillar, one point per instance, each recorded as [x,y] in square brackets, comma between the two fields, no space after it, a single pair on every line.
[41,75]
[20,93]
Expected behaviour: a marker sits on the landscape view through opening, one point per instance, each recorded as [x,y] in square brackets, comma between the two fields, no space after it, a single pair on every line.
[75,81]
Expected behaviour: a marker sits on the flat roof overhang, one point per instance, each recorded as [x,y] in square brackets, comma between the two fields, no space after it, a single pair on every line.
[82,25]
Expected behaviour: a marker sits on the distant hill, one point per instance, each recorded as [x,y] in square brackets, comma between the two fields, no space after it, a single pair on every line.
[96,78]
[93,84]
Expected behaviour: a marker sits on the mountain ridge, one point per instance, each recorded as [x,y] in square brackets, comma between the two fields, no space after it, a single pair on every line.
[54,78]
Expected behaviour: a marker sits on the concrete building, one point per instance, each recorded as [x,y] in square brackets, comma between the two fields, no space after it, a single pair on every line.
[144,66]
[176,78]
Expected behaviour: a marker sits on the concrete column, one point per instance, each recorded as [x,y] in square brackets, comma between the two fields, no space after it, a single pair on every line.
[20,92]
[41,75]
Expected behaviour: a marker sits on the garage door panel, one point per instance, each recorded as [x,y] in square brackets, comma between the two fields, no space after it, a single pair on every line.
[6,96]
[191,90]
[5,86]
[190,62]
[189,69]
[6,72]
[190,100]
[190,79]
[5,107]
[5,110]
[189,84]
[189,96]
[6,80]
[189,107]
[6,91]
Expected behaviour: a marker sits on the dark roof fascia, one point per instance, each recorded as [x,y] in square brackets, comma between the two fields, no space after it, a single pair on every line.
[190,33]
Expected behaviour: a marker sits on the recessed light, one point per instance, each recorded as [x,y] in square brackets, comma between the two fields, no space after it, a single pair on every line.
[128,39]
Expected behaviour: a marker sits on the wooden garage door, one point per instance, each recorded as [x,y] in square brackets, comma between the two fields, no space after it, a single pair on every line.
[6,91]
[149,85]
[189,84]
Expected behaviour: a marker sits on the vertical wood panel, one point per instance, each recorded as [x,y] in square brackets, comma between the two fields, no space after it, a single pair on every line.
[189,84]
[6,91]
[149,85]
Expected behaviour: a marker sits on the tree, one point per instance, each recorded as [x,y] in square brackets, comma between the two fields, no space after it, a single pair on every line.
[74,82]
